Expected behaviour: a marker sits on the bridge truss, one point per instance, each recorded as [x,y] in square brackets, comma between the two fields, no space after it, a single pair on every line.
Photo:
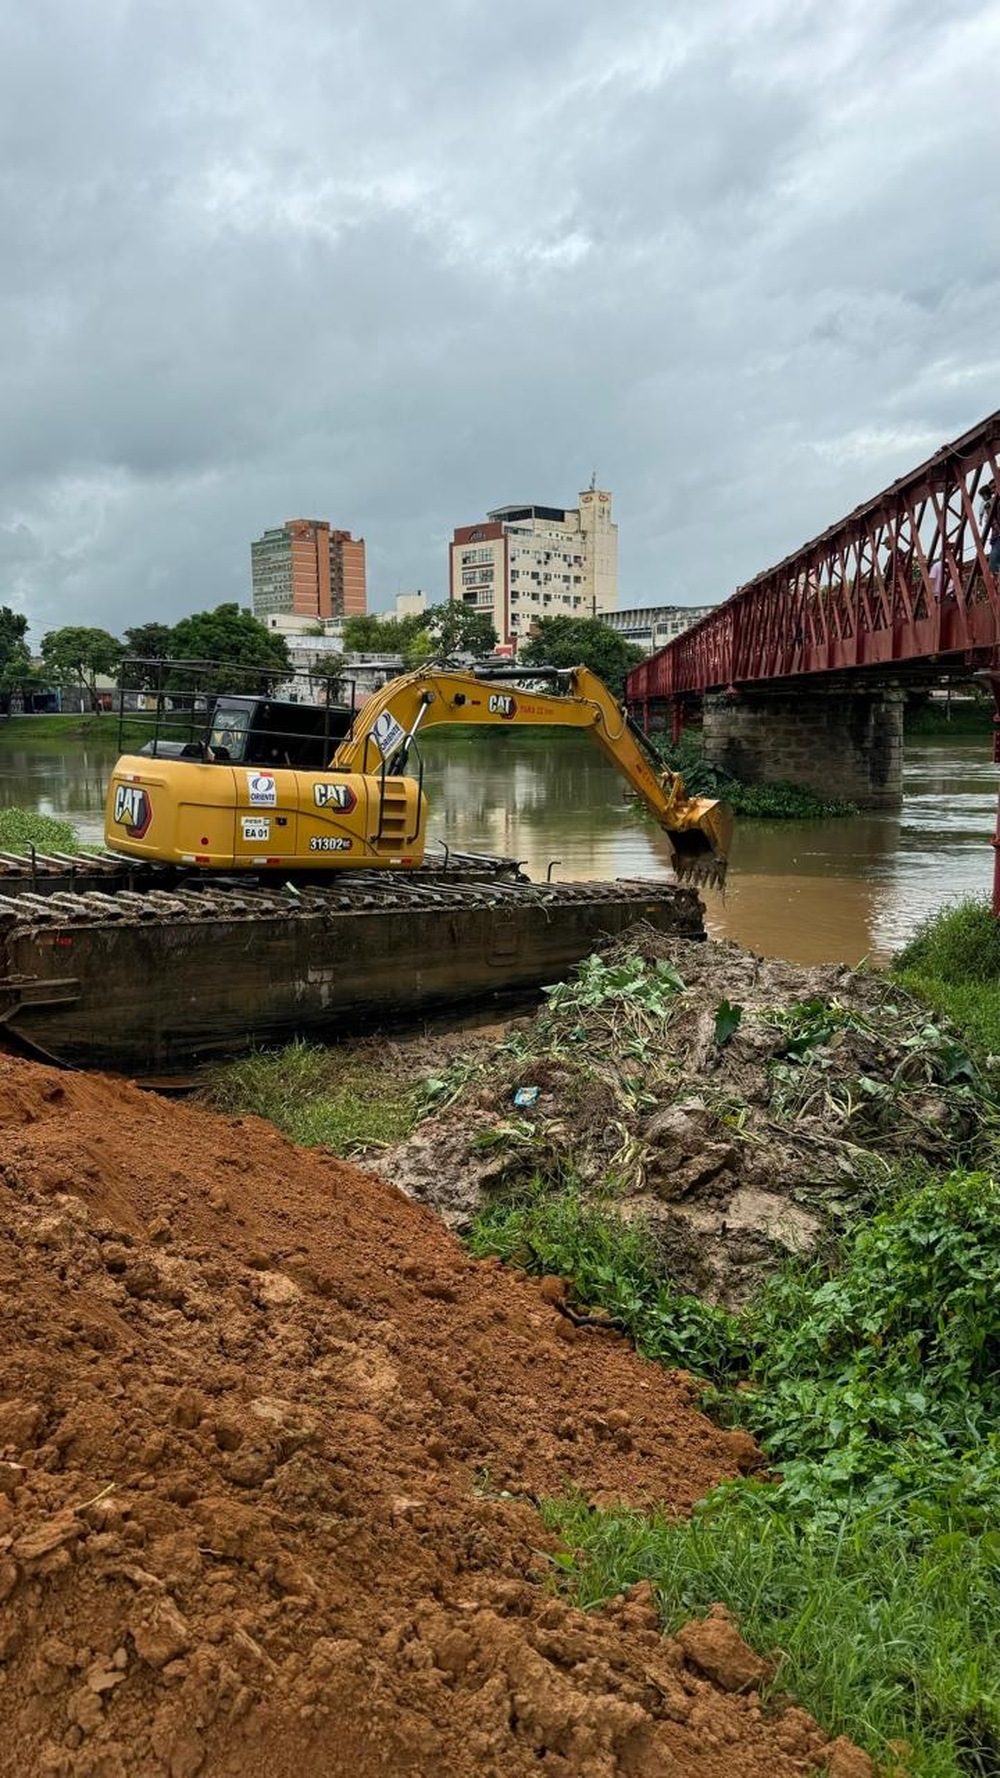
[904,579]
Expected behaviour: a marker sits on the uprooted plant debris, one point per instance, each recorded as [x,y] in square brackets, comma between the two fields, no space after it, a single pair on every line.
[739,1107]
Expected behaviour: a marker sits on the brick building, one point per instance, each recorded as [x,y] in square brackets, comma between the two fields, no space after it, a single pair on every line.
[305,569]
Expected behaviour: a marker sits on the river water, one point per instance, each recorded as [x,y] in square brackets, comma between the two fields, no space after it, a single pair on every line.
[810,891]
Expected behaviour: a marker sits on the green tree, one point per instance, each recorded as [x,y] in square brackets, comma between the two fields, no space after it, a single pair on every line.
[582,642]
[460,629]
[148,642]
[13,630]
[76,655]
[441,631]
[15,661]
[371,634]
[233,638]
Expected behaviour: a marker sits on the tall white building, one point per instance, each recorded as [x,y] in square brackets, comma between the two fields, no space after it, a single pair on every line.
[527,562]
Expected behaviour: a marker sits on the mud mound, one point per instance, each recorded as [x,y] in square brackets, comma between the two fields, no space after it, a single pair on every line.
[269,1443]
[737,1105]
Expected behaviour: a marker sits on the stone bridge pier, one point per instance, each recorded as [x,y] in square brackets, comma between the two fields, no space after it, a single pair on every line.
[842,744]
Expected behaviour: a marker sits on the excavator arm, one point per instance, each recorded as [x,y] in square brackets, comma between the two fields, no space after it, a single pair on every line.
[699,829]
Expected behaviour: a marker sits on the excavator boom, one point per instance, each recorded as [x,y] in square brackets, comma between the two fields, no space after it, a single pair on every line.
[699,829]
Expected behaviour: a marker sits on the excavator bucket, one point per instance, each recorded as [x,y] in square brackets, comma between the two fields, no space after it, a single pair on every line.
[701,840]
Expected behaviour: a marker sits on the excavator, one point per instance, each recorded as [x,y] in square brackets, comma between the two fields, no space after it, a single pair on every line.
[259,785]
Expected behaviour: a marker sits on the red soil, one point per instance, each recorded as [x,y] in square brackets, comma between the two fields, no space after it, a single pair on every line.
[269,1447]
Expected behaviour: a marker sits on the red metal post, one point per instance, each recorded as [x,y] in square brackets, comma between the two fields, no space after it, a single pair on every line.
[994,683]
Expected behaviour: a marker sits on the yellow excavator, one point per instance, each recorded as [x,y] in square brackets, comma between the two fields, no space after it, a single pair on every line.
[257,784]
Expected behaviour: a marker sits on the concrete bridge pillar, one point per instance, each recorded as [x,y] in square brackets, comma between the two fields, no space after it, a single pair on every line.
[842,744]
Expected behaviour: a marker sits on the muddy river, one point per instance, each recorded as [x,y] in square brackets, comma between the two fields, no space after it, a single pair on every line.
[810,891]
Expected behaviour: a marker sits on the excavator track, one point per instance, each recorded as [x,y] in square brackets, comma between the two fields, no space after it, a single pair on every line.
[148,970]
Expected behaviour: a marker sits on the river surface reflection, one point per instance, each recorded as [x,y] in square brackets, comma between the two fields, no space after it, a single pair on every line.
[816,891]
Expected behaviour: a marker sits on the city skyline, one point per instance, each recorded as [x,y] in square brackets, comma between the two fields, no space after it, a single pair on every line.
[682,249]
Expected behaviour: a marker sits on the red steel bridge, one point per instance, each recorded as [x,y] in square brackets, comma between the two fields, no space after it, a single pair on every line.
[798,674]
[903,582]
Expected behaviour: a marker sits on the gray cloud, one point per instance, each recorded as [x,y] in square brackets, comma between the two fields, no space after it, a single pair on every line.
[395,265]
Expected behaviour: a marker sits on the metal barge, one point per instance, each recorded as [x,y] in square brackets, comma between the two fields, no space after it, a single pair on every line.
[148,971]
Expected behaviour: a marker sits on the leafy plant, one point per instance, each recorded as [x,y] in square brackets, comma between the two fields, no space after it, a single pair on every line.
[20,829]
[727,1022]
[597,982]
[768,802]
[872,1560]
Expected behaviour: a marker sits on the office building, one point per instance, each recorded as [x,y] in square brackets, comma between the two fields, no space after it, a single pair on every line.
[651,627]
[304,569]
[526,562]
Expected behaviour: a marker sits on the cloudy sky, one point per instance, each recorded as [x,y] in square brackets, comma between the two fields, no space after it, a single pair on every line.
[393,264]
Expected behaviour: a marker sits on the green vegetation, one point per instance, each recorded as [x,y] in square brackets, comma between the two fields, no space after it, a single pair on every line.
[440,631]
[313,1094]
[231,635]
[965,716]
[872,1382]
[953,963]
[15,660]
[760,802]
[20,829]
[78,655]
[882,1635]
[868,1563]
[582,642]
[612,1265]
[27,730]
[865,1559]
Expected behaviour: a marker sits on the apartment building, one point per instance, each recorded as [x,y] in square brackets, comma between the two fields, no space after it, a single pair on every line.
[303,568]
[526,562]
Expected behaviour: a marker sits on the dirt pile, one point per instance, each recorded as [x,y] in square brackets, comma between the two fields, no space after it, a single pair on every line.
[269,1443]
[737,1104]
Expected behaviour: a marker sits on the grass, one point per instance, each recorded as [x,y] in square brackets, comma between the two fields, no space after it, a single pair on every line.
[20,829]
[613,1265]
[873,1382]
[953,963]
[880,1640]
[314,1095]
[29,731]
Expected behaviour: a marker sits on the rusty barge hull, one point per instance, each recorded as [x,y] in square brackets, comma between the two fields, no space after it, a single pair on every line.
[155,980]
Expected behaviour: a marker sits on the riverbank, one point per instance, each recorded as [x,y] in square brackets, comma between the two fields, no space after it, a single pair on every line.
[749,1170]
[26,730]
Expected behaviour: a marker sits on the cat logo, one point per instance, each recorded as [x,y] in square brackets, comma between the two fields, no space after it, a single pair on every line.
[133,810]
[502,704]
[334,796]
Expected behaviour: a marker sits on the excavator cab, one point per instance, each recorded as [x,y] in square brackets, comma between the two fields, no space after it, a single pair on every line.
[271,731]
